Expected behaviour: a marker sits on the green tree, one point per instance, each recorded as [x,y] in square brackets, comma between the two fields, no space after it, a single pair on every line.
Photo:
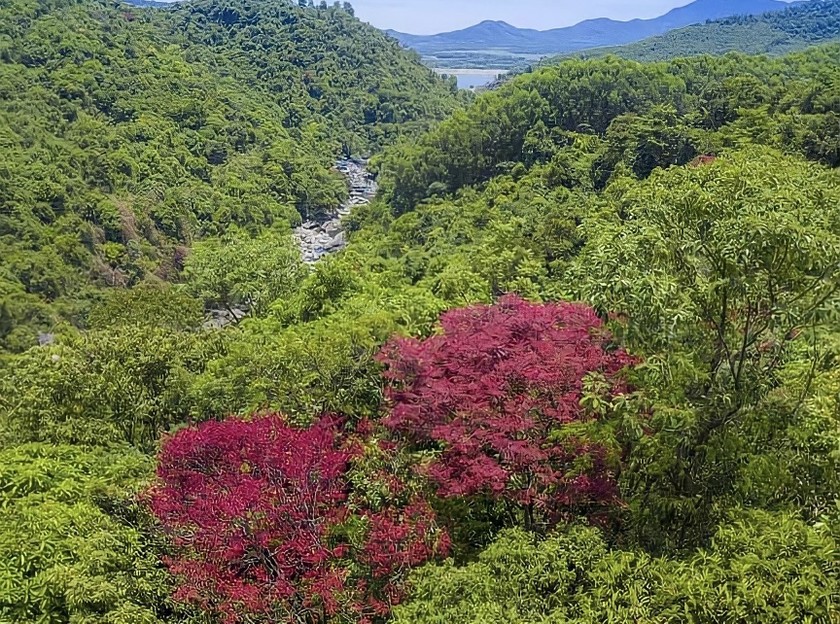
[717,269]
[759,568]
[124,384]
[244,272]
[155,305]
[73,545]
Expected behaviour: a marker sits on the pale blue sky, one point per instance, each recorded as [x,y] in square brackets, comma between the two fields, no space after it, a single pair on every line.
[428,17]
[423,17]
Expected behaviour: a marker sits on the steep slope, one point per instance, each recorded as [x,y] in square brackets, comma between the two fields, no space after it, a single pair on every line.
[624,114]
[779,32]
[128,133]
[314,62]
[500,36]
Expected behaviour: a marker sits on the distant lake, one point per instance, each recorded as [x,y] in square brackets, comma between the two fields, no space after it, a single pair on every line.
[472,78]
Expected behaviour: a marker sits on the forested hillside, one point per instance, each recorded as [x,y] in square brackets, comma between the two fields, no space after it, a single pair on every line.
[128,133]
[579,362]
[780,32]
[318,65]
[616,115]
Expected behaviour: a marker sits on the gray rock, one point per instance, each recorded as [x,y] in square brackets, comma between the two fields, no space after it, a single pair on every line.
[339,242]
[319,239]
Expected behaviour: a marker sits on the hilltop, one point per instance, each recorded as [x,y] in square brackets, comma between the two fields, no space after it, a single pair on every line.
[130,133]
[492,41]
[778,32]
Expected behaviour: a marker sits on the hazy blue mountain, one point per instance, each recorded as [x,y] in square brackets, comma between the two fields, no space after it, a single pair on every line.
[780,32]
[500,36]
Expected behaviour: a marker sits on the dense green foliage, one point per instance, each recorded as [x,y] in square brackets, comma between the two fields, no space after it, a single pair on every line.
[796,28]
[319,66]
[694,205]
[718,267]
[234,124]
[758,569]
[72,548]
[624,114]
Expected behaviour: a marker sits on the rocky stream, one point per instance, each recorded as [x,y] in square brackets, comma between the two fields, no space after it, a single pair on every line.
[320,238]
[316,238]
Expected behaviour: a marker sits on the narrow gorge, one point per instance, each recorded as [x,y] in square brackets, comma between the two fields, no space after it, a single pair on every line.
[320,238]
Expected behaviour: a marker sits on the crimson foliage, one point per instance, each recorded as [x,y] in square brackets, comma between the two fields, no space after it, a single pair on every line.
[498,393]
[266,527]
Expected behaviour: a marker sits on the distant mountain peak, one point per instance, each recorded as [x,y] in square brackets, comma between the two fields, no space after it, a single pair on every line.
[501,36]
[489,26]
[494,24]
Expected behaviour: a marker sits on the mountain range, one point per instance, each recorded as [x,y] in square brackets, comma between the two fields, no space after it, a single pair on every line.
[500,37]
[802,25]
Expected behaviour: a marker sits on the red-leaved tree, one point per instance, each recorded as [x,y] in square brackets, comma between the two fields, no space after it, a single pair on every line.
[266,528]
[498,394]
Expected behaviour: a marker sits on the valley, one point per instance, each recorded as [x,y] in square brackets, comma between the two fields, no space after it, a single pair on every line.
[295,329]
[468,78]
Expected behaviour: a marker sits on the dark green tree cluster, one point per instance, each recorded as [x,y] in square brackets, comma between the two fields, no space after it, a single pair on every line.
[317,64]
[632,116]
[129,133]
[810,21]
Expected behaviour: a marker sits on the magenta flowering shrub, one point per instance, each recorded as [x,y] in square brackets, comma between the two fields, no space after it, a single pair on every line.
[260,519]
[497,392]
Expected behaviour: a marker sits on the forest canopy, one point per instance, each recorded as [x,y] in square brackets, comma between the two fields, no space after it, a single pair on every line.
[578,362]
[130,133]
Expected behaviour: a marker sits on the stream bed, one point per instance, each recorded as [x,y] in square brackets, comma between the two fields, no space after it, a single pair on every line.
[320,238]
